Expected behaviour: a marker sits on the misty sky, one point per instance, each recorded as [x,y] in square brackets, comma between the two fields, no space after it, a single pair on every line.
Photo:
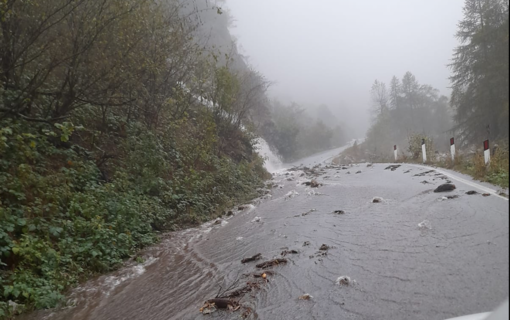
[331,51]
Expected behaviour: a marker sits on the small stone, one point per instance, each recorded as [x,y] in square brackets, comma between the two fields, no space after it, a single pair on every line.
[324,247]
[306,296]
[377,200]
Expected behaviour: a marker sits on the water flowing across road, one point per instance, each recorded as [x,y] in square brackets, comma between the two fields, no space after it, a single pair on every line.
[413,255]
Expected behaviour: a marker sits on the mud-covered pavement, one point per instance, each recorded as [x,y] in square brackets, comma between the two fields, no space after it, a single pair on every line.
[414,255]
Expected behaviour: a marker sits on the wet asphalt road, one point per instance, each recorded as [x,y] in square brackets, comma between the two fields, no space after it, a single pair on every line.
[411,256]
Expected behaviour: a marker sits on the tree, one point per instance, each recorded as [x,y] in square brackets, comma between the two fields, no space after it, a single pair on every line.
[416,109]
[480,71]
[409,91]
[379,96]
[394,93]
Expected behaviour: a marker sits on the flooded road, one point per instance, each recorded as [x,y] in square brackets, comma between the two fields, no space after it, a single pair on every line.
[414,255]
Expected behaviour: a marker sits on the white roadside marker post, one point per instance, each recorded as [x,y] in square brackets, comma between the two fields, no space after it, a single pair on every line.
[486,152]
[452,148]
[395,151]
[424,150]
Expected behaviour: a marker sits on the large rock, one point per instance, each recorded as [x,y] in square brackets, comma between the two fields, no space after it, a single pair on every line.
[445,187]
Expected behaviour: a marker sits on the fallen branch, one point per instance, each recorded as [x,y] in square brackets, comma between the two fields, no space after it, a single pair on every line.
[253,258]
[271,263]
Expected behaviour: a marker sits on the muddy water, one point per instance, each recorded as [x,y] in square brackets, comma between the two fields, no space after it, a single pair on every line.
[411,256]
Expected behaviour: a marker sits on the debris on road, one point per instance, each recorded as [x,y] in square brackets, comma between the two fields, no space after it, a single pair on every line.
[247,312]
[208,308]
[339,211]
[377,200]
[448,197]
[358,171]
[252,258]
[393,167]
[306,213]
[271,263]
[306,243]
[486,194]
[291,194]
[212,305]
[445,187]
[264,274]
[424,182]
[423,173]
[424,225]
[324,247]
[471,192]
[319,254]
[312,184]
[286,252]
[306,296]
[256,219]
[343,280]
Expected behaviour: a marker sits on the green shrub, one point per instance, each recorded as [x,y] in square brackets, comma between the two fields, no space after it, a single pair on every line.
[62,223]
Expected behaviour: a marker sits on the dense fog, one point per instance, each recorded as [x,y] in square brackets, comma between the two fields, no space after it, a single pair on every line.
[330,52]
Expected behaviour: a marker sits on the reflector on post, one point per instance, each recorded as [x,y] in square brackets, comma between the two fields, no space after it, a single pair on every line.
[452,148]
[395,151]
[424,150]
[486,152]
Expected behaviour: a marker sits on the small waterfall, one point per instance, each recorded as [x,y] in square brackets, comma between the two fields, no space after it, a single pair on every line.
[272,160]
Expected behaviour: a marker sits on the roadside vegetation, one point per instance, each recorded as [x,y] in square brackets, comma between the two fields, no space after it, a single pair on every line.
[116,124]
